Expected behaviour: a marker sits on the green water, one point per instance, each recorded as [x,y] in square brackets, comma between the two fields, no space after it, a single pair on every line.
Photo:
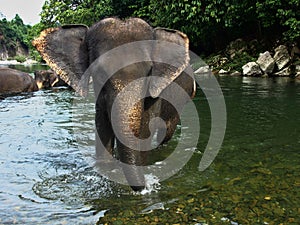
[47,175]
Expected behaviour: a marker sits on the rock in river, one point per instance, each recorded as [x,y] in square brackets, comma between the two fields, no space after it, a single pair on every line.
[281,57]
[266,62]
[251,69]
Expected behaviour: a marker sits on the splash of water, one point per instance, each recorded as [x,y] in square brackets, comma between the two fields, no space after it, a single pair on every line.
[152,184]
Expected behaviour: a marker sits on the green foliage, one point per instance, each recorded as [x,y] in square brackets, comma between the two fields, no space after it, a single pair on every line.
[34,32]
[127,8]
[239,61]
[74,11]
[184,15]
[210,24]
[281,13]
[20,58]
[14,33]
[207,23]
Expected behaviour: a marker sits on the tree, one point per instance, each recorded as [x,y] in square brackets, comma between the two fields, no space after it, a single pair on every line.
[210,24]
[74,12]
[14,34]
[280,15]
[14,31]
[127,8]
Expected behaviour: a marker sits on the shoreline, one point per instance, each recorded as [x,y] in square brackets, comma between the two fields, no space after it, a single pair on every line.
[28,62]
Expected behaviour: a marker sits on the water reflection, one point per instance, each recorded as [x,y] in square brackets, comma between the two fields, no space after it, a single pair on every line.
[28,68]
[47,150]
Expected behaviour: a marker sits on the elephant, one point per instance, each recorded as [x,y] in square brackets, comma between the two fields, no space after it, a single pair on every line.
[124,115]
[13,81]
[48,79]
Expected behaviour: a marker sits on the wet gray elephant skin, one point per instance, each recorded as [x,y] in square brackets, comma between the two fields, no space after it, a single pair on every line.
[76,52]
[47,79]
[14,82]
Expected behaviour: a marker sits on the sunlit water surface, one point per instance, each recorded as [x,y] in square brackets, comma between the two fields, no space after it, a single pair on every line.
[47,152]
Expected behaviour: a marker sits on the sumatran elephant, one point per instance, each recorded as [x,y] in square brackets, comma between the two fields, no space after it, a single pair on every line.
[131,71]
[48,79]
[15,81]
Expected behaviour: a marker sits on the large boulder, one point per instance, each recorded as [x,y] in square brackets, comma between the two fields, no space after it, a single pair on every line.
[297,71]
[203,70]
[3,50]
[266,62]
[11,48]
[251,69]
[286,72]
[295,52]
[281,57]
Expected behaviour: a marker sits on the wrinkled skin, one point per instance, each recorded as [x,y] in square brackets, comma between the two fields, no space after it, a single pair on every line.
[14,81]
[70,50]
[48,79]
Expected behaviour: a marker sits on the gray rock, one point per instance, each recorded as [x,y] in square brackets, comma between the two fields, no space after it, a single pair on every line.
[251,69]
[236,73]
[297,71]
[283,73]
[203,70]
[281,57]
[266,62]
[223,72]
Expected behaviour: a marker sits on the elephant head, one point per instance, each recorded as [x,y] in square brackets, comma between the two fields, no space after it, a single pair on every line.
[117,53]
[48,79]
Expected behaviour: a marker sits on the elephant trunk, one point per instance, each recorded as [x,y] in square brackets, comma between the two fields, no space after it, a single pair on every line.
[126,119]
[131,165]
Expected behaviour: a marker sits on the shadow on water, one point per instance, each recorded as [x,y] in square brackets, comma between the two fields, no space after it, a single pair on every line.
[47,156]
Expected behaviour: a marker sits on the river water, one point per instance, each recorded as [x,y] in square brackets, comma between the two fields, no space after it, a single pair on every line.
[47,150]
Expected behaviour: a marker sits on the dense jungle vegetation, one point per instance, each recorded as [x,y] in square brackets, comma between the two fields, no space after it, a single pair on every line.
[14,33]
[210,24]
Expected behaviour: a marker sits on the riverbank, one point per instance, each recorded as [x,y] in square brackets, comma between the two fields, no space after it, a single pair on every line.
[28,62]
[255,58]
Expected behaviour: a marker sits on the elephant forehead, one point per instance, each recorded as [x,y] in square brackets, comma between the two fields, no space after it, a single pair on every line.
[110,33]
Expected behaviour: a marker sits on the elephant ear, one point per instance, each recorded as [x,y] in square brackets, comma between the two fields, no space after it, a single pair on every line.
[65,51]
[170,57]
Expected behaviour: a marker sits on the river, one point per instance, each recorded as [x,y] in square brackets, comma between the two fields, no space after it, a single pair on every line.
[47,174]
